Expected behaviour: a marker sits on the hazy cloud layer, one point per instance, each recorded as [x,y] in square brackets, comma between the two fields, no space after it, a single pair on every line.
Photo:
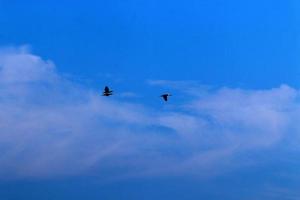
[51,126]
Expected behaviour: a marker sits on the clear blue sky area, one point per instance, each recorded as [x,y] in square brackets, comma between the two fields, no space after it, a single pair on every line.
[249,44]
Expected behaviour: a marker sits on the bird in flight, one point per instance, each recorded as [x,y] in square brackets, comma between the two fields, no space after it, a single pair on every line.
[107,92]
[165,96]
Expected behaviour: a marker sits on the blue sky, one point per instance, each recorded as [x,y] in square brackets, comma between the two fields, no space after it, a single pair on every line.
[230,130]
[248,44]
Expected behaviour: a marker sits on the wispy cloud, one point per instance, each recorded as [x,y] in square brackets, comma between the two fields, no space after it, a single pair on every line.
[51,126]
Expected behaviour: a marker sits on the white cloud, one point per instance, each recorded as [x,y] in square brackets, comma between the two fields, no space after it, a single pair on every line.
[20,66]
[51,126]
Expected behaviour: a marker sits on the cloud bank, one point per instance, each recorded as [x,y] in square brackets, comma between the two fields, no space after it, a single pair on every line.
[51,126]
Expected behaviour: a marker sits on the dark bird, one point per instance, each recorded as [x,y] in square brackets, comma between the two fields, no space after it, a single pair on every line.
[107,92]
[165,96]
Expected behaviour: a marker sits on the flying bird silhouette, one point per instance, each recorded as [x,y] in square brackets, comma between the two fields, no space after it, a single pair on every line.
[165,96]
[107,92]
